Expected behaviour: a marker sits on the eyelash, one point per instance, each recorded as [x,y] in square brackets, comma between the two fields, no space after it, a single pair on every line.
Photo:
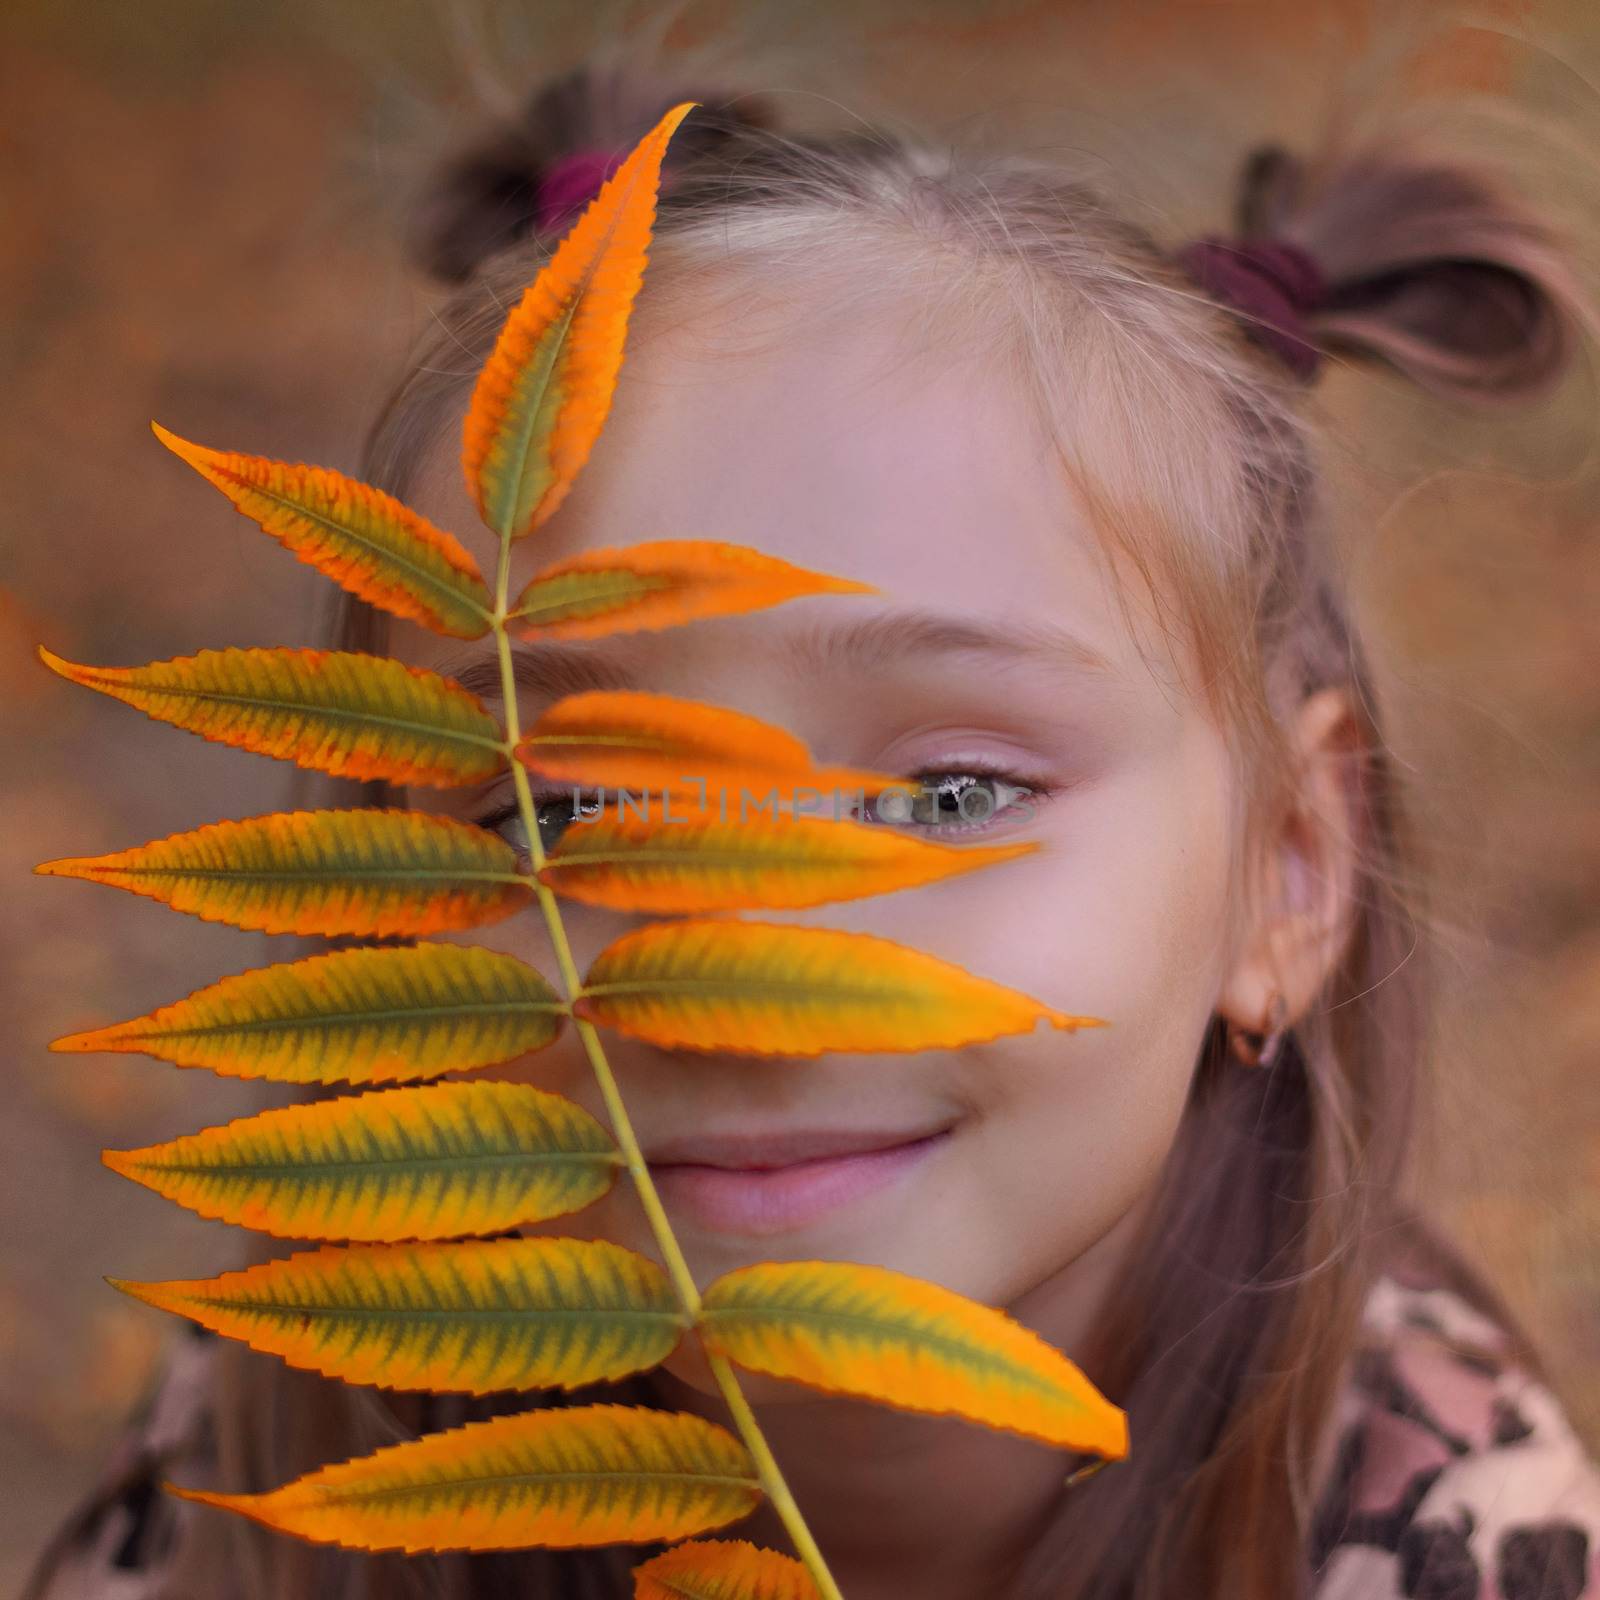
[1032,794]
[494,820]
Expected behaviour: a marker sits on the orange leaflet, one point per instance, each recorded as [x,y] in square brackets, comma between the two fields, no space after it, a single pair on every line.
[762,988]
[362,538]
[722,1569]
[692,864]
[352,715]
[437,1163]
[355,1016]
[880,1334]
[578,1475]
[458,1317]
[371,873]
[662,745]
[661,585]
[543,395]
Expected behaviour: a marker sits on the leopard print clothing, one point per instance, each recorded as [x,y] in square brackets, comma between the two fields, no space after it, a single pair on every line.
[1455,1474]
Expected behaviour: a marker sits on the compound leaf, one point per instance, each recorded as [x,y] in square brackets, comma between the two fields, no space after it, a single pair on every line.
[433,1163]
[365,540]
[356,1016]
[888,1337]
[661,584]
[544,393]
[768,989]
[366,872]
[566,1477]
[352,715]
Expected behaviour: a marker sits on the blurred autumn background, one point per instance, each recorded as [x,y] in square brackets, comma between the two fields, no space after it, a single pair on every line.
[203,223]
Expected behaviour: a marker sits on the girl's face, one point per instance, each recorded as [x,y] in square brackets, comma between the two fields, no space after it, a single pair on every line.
[995,658]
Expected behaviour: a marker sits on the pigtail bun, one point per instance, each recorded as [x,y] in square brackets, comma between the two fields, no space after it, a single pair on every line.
[1430,267]
[486,197]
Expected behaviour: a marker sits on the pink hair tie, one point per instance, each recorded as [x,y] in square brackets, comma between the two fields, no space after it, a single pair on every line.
[1273,284]
[571,182]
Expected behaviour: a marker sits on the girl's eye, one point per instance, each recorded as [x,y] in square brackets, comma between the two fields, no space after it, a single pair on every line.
[935,802]
[554,812]
[955,801]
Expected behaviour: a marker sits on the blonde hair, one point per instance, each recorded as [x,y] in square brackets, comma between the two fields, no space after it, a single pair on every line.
[1197,457]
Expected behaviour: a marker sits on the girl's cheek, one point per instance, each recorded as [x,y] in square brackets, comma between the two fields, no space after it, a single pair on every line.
[1074,1127]
[526,935]
[1054,1161]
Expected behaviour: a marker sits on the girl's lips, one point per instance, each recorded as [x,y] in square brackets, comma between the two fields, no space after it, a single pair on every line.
[769,1196]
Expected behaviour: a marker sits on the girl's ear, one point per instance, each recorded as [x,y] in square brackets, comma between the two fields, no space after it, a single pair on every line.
[1302,919]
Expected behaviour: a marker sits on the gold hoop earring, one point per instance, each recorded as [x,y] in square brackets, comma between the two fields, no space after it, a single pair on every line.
[1261,1049]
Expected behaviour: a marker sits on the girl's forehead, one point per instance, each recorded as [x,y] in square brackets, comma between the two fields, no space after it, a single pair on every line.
[844,447]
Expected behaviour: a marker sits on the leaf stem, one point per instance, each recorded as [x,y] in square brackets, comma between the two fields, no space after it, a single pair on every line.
[772,1480]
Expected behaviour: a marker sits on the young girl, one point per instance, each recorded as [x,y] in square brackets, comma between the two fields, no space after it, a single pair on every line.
[1078,467]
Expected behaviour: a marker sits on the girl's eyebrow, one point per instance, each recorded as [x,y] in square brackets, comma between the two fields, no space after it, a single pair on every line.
[872,642]
[550,669]
[865,645]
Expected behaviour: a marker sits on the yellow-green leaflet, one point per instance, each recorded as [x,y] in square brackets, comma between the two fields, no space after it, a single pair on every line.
[432,1163]
[475,1316]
